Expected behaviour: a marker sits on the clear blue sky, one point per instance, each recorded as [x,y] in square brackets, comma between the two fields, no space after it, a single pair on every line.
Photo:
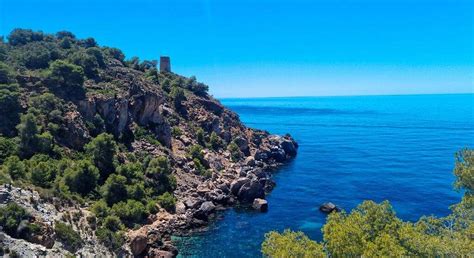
[257,48]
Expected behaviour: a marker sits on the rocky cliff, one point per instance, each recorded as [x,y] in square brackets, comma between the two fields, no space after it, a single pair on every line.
[215,160]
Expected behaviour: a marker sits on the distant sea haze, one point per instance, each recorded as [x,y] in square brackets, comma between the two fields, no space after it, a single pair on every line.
[396,148]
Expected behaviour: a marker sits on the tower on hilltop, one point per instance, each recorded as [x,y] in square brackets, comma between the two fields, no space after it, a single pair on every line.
[165,64]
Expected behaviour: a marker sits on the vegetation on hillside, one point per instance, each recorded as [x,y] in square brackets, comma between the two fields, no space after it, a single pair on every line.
[42,78]
[374,230]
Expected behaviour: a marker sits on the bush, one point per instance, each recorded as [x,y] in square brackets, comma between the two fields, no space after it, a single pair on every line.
[130,212]
[235,152]
[113,240]
[176,131]
[42,174]
[177,95]
[96,126]
[67,235]
[160,169]
[113,223]
[66,79]
[136,191]
[82,177]
[114,190]
[35,55]
[102,150]
[201,139]
[7,75]
[290,244]
[11,216]
[195,152]
[215,141]
[23,36]
[200,168]
[115,53]
[152,207]
[159,166]
[167,201]
[10,106]
[14,167]
[88,62]
[100,209]
[132,171]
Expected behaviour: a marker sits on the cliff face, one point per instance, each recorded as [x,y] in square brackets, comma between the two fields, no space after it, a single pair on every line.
[216,160]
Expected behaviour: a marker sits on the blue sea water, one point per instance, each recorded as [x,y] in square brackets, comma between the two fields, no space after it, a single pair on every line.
[396,148]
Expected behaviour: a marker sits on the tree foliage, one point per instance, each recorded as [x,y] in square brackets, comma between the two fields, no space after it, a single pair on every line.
[81,177]
[102,150]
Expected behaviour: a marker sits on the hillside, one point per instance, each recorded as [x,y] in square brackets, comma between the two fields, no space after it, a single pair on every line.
[105,155]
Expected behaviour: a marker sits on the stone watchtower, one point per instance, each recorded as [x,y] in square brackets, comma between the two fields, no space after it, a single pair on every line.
[165,64]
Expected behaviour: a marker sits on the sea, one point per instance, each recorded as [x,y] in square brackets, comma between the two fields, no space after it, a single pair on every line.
[397,148]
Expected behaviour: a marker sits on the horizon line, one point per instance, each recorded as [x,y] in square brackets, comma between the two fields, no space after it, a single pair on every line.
[335,96]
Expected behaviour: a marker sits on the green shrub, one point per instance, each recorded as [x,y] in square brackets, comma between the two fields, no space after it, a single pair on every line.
[200,168]
[43,174]
[112,240]
[201,139]
[82,177]
[113,223]
[131,171]
[152,207]
[24,36]
[11,216]
[10,106]
[178,97]
[176,131]
[167,201]
[100,209]
[136,191]
[67,235]
[14,167]
[114,190]
[102,150]
[160,169]
[130,212]
[215,141]
[195,152]
[66,80]
[28,133]
[235,152]
[159,166]
[290,244]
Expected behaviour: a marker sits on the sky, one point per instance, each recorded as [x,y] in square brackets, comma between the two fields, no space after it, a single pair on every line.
[272,48]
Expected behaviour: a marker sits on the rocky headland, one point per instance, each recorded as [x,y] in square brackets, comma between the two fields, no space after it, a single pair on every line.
[214,161]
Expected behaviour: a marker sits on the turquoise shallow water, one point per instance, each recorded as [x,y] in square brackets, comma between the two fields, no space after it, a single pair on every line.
[399,148]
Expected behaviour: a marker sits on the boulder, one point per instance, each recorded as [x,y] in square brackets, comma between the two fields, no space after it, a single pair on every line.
[192,203]
[138,243]
[242,144]
[4,196]
[262,155]
[251,190]
[260,205]
[278,154]
[156,253]
[250,161]
[328,207]
[289,146]
[237,184]
[205,210]
[180,208]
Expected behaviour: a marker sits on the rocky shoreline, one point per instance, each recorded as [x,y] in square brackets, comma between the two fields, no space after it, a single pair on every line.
[242,184]
[198,202]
